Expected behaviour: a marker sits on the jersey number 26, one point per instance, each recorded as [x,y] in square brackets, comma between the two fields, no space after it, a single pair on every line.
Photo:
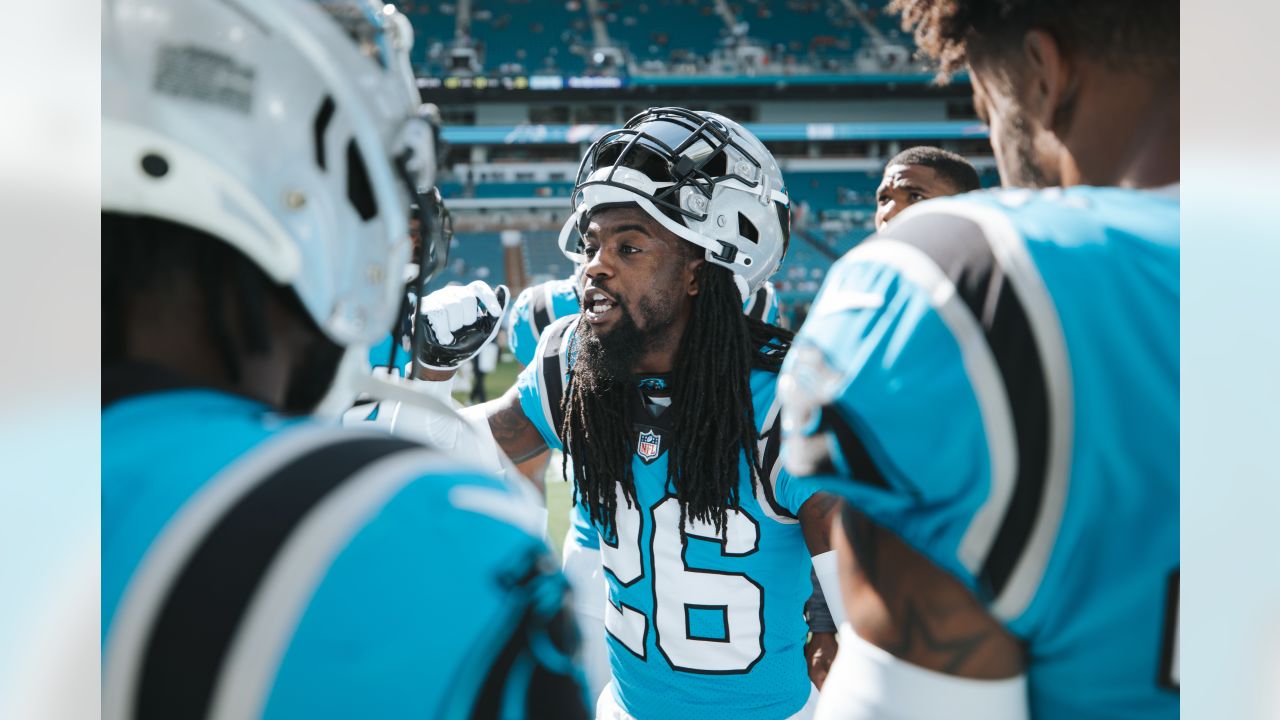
[681,593]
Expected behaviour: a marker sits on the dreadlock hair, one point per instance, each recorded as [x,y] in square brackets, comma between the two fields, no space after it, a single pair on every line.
[711,406]
[146,253]
[1141,35]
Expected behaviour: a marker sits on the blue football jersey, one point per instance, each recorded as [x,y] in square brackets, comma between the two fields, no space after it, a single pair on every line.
[699,624]
[379,353]
[536,307]
[265,566]
[763,304]
[994,378]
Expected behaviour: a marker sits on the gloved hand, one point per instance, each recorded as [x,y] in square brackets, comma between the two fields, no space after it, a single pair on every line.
[456,321]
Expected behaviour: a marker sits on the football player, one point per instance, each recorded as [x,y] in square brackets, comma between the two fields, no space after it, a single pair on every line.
[992,382]
[919,173]
[535,308]
[661,394]
[259,162]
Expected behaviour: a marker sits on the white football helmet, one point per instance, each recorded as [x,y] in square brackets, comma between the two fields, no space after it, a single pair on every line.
[289,129]
[702,176]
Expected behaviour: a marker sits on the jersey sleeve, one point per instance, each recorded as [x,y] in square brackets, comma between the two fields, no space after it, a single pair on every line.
[779,494]
[542,383]
[523,339]
[763,304]
[897,394]
[790,492]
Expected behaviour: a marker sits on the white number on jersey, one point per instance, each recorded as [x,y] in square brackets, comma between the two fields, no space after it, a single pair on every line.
[680,590]
[626,624]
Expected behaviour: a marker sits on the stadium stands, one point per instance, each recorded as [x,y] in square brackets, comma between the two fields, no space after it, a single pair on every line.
[658,37]
[549,33]
[663,30]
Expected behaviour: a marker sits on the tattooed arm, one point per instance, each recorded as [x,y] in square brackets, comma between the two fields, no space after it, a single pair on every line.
[512,430]
[816,516]
[904,604]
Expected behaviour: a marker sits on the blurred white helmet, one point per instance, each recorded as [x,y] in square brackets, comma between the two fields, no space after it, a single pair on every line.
[287,128]
[702,176]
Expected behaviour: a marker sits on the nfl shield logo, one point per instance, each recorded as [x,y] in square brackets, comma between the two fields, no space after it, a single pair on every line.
[648,446]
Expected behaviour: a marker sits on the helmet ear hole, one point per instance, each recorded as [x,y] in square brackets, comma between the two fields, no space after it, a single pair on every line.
[747,229]
[323,116]
[359,191]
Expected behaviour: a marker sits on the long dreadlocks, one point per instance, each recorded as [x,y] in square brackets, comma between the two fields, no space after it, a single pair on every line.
[713,416]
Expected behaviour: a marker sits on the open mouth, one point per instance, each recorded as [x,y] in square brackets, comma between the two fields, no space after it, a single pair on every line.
[598,306]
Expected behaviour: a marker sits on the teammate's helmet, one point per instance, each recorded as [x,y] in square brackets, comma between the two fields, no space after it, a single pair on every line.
[288,129]
[702,176]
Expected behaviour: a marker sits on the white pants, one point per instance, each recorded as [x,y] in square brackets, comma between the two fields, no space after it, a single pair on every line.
[607,707]
[585,573]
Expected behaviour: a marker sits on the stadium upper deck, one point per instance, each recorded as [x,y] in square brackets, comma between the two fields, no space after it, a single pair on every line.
[706,40]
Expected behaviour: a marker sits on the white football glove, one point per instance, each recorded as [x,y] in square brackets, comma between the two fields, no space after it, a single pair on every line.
[456,321]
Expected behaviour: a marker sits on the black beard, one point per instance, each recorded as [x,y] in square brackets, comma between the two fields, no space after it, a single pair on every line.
[603,361]
[1025,171]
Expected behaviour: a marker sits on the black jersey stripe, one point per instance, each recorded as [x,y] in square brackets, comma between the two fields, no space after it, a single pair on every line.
[960,247]
[769,460]
[852,448]
[197,620]
[553,373]
[759,302]
[541,313]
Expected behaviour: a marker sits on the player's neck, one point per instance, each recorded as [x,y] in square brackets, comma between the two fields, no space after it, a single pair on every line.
[176,339]
[662,349]
[1130,138]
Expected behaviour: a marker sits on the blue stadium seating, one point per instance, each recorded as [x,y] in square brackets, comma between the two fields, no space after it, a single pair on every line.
[652,29]
[803,30]
[473,256]
[543,34]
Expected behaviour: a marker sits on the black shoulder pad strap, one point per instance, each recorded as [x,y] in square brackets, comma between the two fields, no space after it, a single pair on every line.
[552,367]
[540,312]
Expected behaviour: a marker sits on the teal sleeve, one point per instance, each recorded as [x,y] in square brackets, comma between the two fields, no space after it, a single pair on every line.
[522,339]
[879,408]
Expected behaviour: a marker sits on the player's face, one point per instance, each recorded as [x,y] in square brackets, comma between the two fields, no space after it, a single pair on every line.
[1024,149]
[637,272]
[906,185]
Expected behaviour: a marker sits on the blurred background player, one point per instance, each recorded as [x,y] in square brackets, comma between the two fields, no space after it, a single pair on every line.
[993,381]
[661,394]
[919,173]
[259,167]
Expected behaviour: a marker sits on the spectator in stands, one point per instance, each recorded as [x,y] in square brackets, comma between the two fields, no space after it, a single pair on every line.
[920,173]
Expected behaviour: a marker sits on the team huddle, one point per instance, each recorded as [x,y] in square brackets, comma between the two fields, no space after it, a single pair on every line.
[952,492]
